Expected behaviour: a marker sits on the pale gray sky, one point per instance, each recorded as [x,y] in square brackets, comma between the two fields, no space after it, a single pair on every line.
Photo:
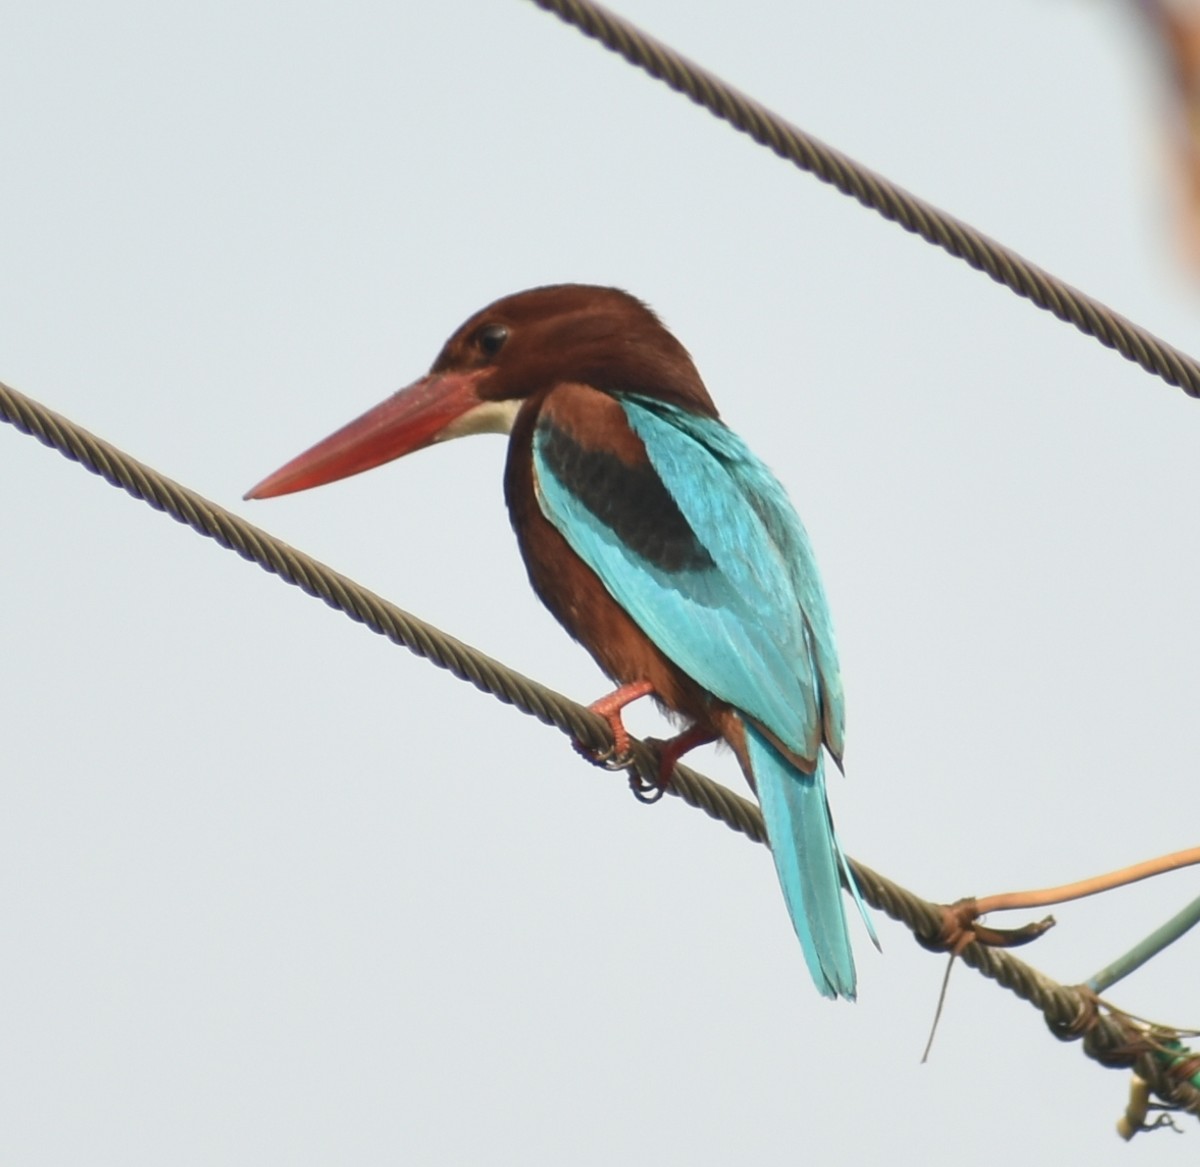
[273,891]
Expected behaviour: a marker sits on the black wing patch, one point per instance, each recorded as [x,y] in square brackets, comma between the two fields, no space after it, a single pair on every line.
[630,500]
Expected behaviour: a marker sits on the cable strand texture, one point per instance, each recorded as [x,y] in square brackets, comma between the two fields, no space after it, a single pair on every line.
[877,193]
[1108,1038]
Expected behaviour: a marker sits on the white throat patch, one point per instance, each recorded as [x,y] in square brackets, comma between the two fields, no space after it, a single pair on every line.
[488,417]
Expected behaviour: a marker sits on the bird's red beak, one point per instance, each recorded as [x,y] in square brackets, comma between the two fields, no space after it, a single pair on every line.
[411,419]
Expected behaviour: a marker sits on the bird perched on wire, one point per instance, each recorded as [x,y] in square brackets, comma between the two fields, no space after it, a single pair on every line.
[659,541]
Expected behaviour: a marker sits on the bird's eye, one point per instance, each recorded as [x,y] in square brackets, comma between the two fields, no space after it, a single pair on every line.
[491,338]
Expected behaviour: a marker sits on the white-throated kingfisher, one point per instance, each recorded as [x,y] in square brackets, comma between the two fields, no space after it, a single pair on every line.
[659,541]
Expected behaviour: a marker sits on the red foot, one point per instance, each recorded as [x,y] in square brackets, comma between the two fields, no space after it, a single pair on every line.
[672,750]
[616,757]
[669,752]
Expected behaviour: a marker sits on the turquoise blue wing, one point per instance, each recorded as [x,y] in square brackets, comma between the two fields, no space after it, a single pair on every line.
[743,612]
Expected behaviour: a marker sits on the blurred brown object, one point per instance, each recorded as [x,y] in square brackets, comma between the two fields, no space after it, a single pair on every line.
[1175,26]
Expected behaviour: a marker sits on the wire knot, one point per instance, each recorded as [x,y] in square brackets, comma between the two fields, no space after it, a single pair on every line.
[1120,1048]
[1087,1015]
[960,927]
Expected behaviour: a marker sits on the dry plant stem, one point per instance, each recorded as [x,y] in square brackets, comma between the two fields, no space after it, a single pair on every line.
[1045,897]
[1133,1120]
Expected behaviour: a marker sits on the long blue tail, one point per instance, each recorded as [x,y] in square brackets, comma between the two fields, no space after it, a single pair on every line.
[809,862]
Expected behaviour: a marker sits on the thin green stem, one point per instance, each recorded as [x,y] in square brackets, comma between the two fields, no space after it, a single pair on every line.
[1152,945]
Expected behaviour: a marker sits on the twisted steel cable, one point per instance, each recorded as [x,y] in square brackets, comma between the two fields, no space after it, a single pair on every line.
[1069,1012]
[872,190]
[360,604]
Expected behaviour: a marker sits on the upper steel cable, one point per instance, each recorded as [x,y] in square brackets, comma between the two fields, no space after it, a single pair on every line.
[1070,1012]
[894,203]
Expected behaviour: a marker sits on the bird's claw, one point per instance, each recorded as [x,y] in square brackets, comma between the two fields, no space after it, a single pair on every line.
[645,792]
[614,759]
[609,758]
